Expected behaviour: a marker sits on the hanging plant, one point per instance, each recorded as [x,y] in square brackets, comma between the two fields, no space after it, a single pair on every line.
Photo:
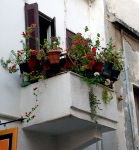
[106,95]
[94,105]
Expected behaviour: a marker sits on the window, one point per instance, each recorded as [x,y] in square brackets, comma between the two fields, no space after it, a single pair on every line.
[45,26]
[8,139]
[69,35]
[136,97]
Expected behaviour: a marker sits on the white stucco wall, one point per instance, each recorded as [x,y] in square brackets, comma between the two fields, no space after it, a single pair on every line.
[30,140]
[81,13]
[11,27]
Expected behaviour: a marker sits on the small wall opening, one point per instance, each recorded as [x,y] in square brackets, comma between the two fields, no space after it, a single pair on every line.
[136,98]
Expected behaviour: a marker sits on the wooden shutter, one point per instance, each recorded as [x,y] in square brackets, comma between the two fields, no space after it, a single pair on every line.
[53,27]
[32,17]
[69,35]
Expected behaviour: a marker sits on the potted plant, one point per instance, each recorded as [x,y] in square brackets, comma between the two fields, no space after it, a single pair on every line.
[17,58]
[32,60]
[109,58]
[82,52]
[117,64]
[66,62]
[53,50]
[21,59]
[34,76]
[43,58]
[99,62]
[81,46]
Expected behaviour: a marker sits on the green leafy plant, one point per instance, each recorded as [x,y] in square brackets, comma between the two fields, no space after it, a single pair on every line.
[5,63]
[118,63]
[81,46]
[19,56]
[93,79]
[32,54]
[106,95]
[9,64]
[42,56]
[34,76]
[53,45]
[94,105]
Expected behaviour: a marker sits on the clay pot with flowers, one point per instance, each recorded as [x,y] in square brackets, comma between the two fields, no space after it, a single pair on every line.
[32,60]
[99,62]
[53,50]
[66,61]
[43,59]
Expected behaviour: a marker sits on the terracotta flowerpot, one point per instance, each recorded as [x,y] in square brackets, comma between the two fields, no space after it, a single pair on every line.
[107,69]
[46,65]
[67,64]
[24,67]
[98,67]
[54,56]
[33,64]
[114,75]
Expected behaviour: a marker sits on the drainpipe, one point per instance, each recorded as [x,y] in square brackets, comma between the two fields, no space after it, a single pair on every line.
[128,91]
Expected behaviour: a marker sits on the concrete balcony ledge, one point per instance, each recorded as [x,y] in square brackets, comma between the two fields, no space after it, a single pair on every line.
[64,106]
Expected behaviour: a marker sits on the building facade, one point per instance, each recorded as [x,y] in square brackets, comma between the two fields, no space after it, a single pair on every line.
[63,117]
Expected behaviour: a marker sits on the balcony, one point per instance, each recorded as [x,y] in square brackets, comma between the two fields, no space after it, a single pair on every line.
[64,106]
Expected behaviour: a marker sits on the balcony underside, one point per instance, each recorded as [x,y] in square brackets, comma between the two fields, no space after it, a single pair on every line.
[64,107]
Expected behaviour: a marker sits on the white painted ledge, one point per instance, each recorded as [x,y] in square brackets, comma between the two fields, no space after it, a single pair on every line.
[64,106]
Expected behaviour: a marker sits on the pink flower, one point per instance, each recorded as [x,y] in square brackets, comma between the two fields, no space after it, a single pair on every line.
[33,25]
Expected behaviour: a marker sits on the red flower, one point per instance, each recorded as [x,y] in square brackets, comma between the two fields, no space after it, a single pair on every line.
[89,56]
[35,88]
[33,52]
[94,51]
[79,41]
[33,116]
[23,33]
[85,43]
[92,62]
[33,25]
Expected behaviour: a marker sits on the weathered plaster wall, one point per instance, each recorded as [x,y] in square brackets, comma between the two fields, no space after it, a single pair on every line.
[123,135]
[126,10]
[133,66]
[124,125]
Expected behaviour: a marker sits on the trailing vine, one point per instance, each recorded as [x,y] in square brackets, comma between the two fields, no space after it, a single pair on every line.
[106,95]
[94,105]
[36,92]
